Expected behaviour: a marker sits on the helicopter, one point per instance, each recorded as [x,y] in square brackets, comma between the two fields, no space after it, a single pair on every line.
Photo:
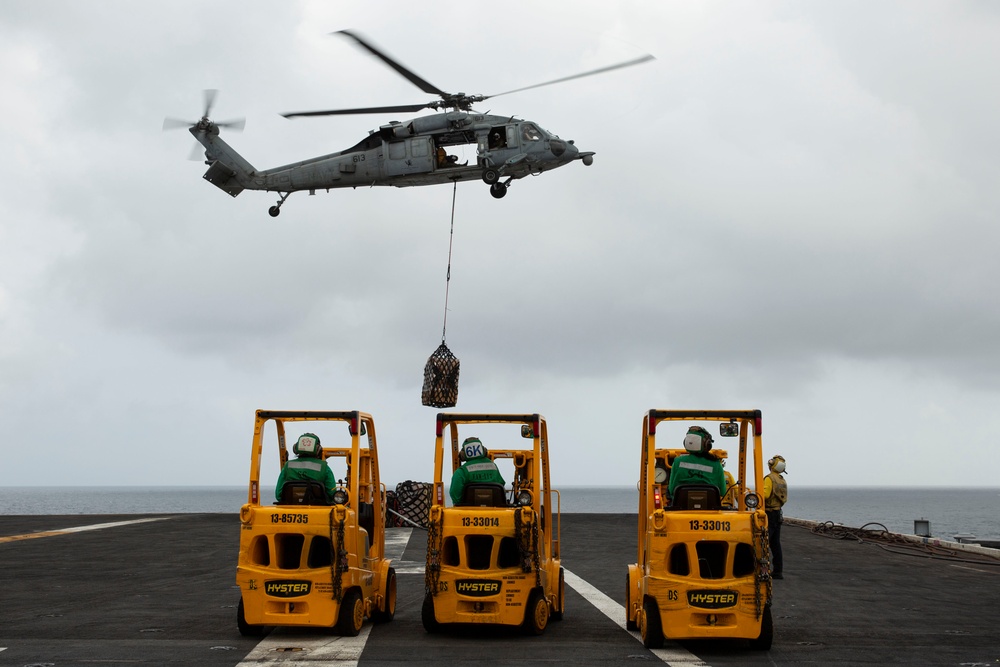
[413,153]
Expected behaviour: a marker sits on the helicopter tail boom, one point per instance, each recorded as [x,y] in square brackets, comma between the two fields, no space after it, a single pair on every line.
[227,170]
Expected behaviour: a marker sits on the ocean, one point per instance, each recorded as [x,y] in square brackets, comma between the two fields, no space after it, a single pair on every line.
[950,511]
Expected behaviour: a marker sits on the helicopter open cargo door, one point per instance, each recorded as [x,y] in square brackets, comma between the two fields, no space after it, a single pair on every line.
[410,156]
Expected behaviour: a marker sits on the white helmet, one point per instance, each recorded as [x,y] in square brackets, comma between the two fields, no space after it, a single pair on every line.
[698,440]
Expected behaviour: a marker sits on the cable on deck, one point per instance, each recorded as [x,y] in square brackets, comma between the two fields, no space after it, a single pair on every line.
[896,543]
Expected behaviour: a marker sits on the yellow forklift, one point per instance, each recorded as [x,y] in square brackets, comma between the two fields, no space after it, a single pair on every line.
[493,556]
[307,559]
[704,564]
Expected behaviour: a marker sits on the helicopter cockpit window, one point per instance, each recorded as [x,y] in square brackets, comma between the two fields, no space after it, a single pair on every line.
[530,133]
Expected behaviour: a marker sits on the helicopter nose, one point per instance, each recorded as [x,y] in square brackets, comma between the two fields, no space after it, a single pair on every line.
[564,150]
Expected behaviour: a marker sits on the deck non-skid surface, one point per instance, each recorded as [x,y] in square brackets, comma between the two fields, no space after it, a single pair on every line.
[133,592]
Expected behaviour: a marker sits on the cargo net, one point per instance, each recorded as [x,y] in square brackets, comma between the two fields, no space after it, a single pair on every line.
[392,517]
[440,379]
[414,501]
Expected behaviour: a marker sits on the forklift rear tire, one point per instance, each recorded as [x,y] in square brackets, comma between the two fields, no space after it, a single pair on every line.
[629,623]
[352,614]
[651,627]
[246,629]
[385,615]
[557,615]
[763,641]
[536,614]
[431,624]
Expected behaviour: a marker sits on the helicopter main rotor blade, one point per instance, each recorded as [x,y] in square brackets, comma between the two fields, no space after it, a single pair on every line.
[405,108]
[410,76]
[627,63]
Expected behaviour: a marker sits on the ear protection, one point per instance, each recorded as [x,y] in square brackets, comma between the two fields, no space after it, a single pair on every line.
[777,463]
[698,440]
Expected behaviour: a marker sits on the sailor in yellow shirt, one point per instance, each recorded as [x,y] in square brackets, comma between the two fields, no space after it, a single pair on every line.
[775,496]
[729,500]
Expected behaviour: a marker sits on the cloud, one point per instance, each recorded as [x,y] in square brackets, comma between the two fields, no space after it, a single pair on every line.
[789,209]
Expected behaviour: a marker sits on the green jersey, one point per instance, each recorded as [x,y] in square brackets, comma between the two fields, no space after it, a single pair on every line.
[481,469]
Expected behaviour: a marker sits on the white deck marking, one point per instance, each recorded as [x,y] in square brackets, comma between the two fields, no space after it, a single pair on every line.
[974,569]
[409,567]
[676,656]
[283,647]
[396,540]
[78,529]
[113,524]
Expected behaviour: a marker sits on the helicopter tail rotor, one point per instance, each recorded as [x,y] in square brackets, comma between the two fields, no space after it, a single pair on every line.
[205,124]
[210,95]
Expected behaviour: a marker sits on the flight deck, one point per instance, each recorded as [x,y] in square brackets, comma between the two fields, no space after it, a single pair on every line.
[161,589]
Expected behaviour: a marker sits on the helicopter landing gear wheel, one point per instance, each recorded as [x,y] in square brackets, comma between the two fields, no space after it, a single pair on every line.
[490,176]
[275,210]
[498,190]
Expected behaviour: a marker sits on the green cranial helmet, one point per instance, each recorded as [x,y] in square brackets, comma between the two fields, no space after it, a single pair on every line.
[777,463]
[698,440]
[471,448]
[308,445]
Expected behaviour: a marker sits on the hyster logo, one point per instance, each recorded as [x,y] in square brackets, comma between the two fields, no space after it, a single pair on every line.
[287,589]
[712,599]
[477,587]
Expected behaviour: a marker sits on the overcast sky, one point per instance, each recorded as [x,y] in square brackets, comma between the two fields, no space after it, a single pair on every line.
[793,208]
